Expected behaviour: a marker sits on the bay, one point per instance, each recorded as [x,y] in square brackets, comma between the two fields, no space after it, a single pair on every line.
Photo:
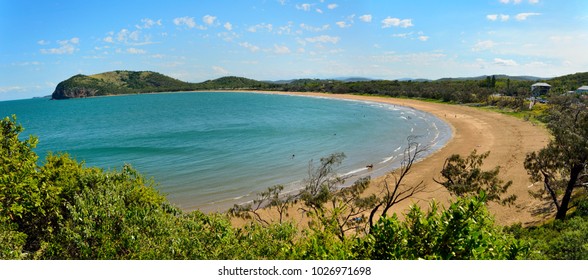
[210,150]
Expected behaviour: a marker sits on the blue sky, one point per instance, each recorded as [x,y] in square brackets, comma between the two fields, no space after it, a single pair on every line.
[45,42]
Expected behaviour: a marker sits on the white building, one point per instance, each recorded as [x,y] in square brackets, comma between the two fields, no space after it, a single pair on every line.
[582,90]
[540,88]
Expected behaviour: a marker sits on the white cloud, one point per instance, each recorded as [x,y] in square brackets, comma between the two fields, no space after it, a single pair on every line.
[219,70]
[343,24]
[123,36]
[260,26]
[286,29]
[366,18]
[524,16]
[347,22]
[43,42]
[323,39]
[532,2]
[484,45]
[495,17]
[396,22]
[505,62]
[402,35]
[281,49]
[65,47]
[136,51]
[511,1]
[187,21]
[11,89]
[228,26]
[314,29]
[304,7]
[423,38]
[332,6]
[249,46]
[208,19]
[148,23]
[27,63]
[134,35]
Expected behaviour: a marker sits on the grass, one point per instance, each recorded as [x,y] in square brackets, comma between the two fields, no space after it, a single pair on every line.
[534,115]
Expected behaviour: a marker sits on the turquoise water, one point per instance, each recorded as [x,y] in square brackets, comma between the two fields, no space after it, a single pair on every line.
[210,150]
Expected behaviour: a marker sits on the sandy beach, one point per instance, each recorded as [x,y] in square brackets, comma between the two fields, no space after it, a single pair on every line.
[507,138]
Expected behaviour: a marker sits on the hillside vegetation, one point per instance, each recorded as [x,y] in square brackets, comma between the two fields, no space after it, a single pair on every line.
[460,90]
[133,82]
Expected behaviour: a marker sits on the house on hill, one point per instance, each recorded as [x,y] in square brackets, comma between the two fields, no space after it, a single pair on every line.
[582,90]
[538,89]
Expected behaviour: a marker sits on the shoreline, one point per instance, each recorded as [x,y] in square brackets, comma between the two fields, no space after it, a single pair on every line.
[507,138]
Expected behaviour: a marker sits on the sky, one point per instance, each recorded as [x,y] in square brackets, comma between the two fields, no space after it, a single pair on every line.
[45,42]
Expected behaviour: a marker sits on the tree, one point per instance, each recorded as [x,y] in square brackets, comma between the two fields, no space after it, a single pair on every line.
[561,165]
[464,177]
[391,194]
[330,208]
[271,198]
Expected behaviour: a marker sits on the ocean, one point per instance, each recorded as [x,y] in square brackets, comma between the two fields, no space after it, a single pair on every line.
[211,150]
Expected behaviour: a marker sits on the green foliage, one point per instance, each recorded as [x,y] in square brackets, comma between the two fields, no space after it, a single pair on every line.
[570,82]
[464,176]
[558,240]
[465,230]
[12,241]
[19,192]
[561,165]
[316,245]
[115,215]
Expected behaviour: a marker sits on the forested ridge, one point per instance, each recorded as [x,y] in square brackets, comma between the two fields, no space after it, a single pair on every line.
[460,90]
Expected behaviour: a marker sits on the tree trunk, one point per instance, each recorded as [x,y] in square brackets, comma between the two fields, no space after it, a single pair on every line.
[565,201]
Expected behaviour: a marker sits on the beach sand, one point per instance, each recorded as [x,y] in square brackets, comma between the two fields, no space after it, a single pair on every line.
[507,138]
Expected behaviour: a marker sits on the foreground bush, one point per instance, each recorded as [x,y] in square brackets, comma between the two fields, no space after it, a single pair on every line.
[465,230]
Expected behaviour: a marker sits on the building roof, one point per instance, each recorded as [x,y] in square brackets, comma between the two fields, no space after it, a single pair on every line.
[583,88]
[540,85]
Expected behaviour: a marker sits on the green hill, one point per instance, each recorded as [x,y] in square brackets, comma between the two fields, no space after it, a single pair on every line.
[232,82]
[127,82]
[569,82]
[118,82]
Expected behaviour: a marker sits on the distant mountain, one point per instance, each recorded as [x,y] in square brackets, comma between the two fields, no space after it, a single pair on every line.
[413,80]
[503,77]
[353,79]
